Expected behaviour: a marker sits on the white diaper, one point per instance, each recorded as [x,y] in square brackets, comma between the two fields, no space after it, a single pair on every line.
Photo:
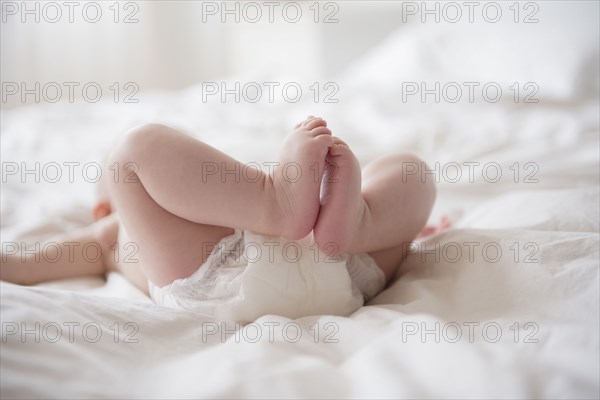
[249,275]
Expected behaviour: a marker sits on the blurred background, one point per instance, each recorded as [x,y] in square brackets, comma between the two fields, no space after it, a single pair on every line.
[173,44]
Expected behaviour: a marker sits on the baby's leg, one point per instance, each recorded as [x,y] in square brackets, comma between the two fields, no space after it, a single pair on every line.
[399,202]
[79,253]
[380,216]
[178,196]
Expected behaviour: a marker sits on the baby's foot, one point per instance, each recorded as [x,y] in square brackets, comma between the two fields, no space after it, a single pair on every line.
[297,177]
[343,208]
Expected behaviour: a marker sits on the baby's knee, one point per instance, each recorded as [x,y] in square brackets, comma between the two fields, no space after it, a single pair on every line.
[410,169]
[397,163]
[143,130]
[145,135]
[136,142]
[416,170]
[402,160]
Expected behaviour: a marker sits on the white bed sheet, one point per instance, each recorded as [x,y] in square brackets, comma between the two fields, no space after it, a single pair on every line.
[551,303]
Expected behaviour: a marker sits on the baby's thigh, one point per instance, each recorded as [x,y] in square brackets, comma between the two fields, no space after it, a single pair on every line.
[161,247]
[123,257]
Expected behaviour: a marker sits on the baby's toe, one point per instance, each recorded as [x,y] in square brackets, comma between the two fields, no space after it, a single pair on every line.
[326,141]
[320,130]
[339,141]
[339,148]
[303,123]
[315,123]
[306,121]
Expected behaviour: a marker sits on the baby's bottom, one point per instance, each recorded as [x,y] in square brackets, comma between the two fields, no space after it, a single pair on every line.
[173,210]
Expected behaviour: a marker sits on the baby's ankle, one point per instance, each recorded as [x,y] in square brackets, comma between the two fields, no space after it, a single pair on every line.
[275,216]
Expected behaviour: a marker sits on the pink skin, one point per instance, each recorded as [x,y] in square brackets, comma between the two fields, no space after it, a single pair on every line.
[343,208]
[298,195]
[175,212]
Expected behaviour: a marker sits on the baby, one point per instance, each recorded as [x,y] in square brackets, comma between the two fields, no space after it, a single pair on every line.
[183,209]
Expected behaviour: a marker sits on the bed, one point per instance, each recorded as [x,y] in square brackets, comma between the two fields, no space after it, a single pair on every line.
[503,303]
